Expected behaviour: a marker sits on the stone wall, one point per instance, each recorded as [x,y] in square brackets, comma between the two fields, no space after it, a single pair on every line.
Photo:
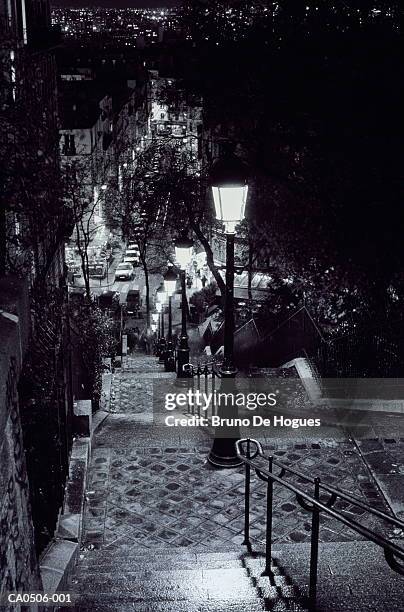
[18,564]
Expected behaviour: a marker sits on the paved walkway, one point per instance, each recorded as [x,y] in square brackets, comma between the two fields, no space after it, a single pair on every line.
[151,486]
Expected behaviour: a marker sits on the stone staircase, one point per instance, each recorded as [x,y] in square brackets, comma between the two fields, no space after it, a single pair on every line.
[130,571]
[352,577]
[179,581]
[146,365]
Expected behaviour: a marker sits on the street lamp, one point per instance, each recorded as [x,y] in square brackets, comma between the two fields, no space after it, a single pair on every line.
[229,189]
[158,314]
[161,297]
[183,255]
[170,284]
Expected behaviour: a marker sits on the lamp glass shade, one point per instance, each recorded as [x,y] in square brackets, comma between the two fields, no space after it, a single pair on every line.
[159,307]
[155,317]
[170,281]
[170,286]
[230,204]
[153,327]
[183,252]
[161,295]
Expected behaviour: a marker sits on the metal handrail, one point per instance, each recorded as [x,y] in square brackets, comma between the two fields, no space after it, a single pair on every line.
[197,369]
[339,493]
[311,504]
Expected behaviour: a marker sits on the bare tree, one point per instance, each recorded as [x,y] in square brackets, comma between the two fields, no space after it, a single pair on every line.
[143,212]
[77,190]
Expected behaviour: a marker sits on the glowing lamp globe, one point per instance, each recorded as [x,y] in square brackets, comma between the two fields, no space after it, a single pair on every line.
[161,295]
[183,251]
[159,307]
[229,189]
[170,281]
[155,317]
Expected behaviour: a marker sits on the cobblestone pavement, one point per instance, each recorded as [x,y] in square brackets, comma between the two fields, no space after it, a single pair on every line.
[155,489]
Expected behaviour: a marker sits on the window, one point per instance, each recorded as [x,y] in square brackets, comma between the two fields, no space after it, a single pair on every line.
[69,146]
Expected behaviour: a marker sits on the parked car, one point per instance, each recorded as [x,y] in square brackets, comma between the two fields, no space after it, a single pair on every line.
[133,302]
[124,271]
[132,257]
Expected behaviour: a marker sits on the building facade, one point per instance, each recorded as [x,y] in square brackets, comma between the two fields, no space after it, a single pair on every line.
[33,226]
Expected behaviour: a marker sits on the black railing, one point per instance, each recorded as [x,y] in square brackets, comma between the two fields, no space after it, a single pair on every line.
[202,377]
[251,453]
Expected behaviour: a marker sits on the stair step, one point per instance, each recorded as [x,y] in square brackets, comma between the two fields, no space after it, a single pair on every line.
[134,591]
[199,585]
[256,567]
[273,593]
[182,564]
[130,555]
[153,564]
[112,605]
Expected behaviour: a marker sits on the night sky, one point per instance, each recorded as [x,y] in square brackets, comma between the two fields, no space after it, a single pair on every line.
[118,3]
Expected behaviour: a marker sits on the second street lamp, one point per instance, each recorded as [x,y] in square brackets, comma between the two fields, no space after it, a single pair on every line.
[161,297]
[170,283]
[158,315]
[183,255]
[229,189]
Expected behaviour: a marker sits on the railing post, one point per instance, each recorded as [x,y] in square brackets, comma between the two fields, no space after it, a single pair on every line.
[246,540]
[198,373]
[268,535]
[213,391]
[315,528]
[191,409]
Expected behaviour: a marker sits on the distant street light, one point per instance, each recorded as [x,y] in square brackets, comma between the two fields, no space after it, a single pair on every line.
[170,284]
[161,297]
[183,255]
[229,189]
[158,314]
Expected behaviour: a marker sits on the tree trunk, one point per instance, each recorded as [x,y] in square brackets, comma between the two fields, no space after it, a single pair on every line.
[209,259]
[146,278]
[143,259]
[84,262]
[3,241]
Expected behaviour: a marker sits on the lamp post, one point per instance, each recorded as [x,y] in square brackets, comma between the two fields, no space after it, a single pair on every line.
[170,283]
[161,299]
[229,189]
[158,315]
[183,255]
[155,327]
